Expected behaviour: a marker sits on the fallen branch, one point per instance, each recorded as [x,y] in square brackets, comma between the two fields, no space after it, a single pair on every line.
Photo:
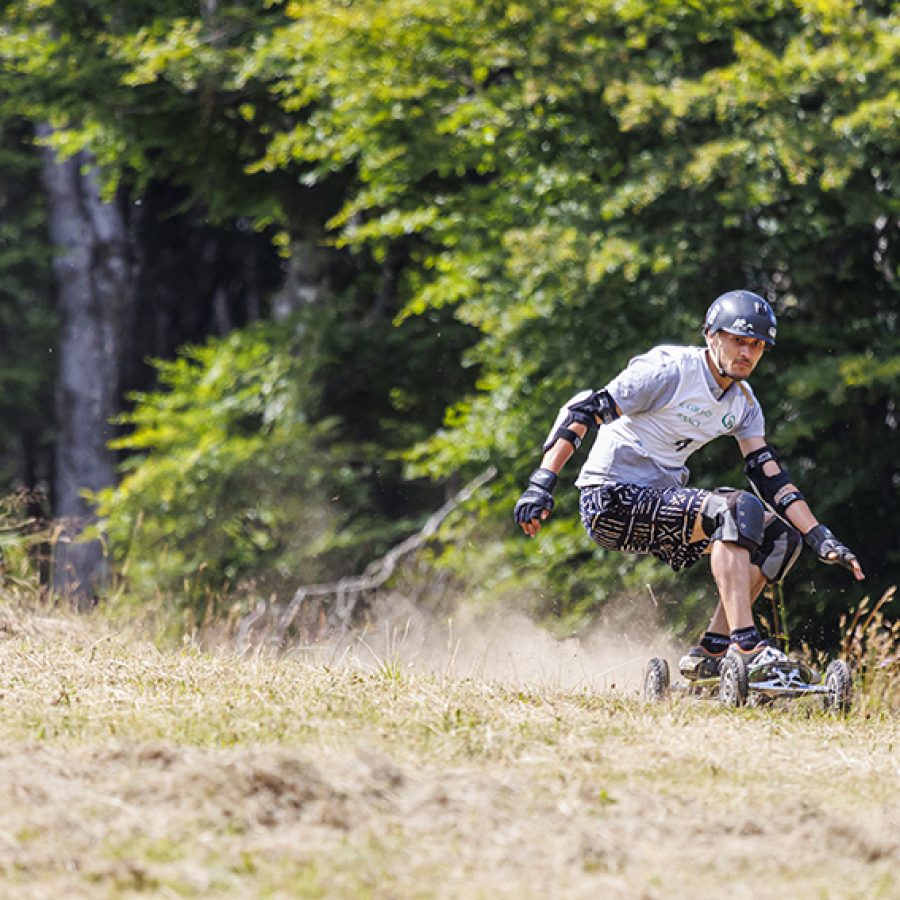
[348,592]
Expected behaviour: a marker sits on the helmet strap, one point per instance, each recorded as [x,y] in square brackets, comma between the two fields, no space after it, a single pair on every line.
[715,355]
[717,360]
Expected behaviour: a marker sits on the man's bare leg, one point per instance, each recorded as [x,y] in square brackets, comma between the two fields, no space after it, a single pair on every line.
[739,583]
[732,571]
[719,622]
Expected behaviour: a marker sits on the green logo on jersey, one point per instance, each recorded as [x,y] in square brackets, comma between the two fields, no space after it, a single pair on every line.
[728,421]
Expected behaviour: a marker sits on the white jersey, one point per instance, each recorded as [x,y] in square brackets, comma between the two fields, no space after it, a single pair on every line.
[671,407]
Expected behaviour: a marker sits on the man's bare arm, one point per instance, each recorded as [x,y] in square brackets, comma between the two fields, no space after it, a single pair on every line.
[553,460]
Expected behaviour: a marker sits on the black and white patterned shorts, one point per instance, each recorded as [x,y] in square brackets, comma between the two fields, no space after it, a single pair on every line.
[637,519]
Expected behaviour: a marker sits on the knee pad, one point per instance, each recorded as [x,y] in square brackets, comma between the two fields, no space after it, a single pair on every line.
[778,551]
[736,517]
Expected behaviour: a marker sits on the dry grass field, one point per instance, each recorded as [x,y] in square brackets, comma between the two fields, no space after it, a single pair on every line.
[129,769]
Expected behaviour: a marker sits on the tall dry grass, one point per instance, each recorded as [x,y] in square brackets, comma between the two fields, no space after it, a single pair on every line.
[132,768]
[871,644]
[138,765]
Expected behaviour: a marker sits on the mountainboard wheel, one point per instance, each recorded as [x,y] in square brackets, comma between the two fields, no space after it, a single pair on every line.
[733,681]
[655,685]
[838,686]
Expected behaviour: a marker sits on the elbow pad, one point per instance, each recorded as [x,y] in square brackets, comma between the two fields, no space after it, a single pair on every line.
[585,408]
[776,491]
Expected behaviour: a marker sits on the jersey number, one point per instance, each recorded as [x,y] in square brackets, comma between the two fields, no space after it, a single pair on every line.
[680,445]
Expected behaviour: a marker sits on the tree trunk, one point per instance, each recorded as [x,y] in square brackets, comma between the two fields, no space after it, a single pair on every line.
[306,281]
[93,295]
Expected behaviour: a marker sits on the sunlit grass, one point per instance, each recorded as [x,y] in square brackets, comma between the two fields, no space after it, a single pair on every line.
[146,756]
[173,770]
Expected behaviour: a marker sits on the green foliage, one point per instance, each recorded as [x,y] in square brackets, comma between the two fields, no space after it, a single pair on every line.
[23,551]
[263,460]
[720,153]
[572,182]
[27,318]
[224,476]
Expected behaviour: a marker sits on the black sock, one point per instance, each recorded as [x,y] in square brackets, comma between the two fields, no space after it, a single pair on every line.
[714,643]
[745,638]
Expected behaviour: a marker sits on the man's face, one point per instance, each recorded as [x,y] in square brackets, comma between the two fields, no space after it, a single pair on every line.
[737,354]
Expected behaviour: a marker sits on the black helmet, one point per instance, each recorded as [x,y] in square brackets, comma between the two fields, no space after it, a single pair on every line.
[743,313]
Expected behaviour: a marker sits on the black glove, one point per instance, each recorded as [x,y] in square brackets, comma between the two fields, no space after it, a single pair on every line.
[537,497]
[824,542]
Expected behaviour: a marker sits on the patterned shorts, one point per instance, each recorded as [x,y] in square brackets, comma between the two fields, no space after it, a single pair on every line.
[636,519]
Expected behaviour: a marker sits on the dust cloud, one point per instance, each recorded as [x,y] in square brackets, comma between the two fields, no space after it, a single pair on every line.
[507,647]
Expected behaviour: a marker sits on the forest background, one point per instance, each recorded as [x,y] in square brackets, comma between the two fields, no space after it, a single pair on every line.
[275,278]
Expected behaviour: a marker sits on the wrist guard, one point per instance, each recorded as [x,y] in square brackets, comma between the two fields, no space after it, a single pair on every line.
[537,497]
[543,478]
[777,491]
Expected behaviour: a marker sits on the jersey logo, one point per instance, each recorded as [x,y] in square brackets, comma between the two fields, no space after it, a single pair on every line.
[728,421]
[693,413]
